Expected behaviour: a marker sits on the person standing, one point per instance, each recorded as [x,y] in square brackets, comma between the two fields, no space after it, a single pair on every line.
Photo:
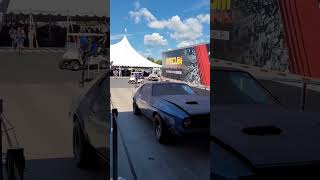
[13,33]
[20,39]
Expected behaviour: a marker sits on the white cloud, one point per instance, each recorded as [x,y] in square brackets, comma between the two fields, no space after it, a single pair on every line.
[143,12]
[184,43]
[204,18]
[154,39]
[183,31]
[187,30]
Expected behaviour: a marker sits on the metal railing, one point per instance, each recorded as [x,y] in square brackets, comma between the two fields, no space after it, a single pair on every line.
[115,132]
[14,156]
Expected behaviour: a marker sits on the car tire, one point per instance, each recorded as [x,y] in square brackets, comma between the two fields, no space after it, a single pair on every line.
[75,65]
[61,65]
[103,64]
[81,151]
[160,129]
[136,110]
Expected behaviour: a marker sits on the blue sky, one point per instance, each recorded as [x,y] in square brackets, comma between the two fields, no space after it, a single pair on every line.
[157,25]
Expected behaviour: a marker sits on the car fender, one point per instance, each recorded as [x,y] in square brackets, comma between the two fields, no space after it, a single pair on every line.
[169,112]
[222,157]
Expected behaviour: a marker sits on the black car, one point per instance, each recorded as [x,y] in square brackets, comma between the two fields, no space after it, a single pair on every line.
[175,108]
[254,137]
[91,122]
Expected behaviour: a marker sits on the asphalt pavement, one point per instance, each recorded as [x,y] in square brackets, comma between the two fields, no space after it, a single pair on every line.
[37,96]
[185,158]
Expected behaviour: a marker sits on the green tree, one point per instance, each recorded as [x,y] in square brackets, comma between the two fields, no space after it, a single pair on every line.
[158,62]
[150,59]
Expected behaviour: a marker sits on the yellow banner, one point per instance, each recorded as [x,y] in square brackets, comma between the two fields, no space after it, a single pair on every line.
[221,4]
[174,61]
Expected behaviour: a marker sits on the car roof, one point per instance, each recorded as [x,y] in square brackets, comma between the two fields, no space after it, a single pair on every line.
[163,82]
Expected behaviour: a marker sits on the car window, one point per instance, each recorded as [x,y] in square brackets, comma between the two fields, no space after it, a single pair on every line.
[171,89]
[233,87]
[145,90]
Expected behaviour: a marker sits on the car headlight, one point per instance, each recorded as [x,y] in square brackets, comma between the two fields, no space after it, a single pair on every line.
[186,122]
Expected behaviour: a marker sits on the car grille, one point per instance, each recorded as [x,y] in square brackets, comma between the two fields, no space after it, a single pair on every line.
[200,121]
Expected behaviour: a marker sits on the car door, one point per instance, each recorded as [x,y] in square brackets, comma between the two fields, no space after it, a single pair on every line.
[140,98]
[98,123]
[147,100]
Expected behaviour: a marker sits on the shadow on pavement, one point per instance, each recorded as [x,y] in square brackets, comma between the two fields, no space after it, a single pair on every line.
[63,168]
[181,158]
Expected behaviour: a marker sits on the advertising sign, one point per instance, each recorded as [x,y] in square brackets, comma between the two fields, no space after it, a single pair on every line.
[190,64]
[249,32]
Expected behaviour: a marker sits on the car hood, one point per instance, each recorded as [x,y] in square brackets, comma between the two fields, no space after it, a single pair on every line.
[192,104]
[237,126]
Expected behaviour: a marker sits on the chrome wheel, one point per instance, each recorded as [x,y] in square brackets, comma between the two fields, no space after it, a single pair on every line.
[158,128]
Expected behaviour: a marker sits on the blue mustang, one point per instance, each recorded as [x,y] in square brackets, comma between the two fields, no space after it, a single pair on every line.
[175,108]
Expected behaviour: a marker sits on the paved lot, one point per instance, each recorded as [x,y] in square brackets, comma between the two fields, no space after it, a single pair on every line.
[183,159]
[37,97]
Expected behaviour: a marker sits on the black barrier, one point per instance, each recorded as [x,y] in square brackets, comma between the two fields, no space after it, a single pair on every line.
[115,132]
[114,145]
[1,111]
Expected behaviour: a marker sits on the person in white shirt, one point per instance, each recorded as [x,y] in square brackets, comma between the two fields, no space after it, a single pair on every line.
[12,33]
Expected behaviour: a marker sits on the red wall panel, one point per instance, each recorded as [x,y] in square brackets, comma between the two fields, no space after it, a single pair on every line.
[302,31]
[203,64]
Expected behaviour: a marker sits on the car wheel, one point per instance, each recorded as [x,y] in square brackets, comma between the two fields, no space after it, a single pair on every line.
[136,109]
[62,65]
[75,65]
[160,129]
[103,65]
[80,146]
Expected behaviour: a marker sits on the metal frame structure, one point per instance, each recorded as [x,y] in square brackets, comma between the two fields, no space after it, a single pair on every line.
[14,158]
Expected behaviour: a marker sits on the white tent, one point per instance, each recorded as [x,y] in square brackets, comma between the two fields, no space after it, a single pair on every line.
[124,55]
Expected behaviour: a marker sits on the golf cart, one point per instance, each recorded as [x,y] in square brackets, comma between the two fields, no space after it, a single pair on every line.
[153,77]
[72,59]
[136,78]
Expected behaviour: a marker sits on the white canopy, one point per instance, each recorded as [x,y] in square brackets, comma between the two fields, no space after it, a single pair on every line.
[122,54]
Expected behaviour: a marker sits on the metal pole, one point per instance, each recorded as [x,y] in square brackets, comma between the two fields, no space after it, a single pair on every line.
[67,40]
[303,95]
[114,146]
[1,112]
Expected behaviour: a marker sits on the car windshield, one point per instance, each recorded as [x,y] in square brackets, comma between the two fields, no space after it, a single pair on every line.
[235,87]
[171,89]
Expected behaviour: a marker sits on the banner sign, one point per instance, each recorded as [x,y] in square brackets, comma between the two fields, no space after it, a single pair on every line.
[190,64]
[248,32]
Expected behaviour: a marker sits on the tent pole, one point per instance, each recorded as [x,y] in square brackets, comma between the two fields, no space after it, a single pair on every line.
[67,26]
